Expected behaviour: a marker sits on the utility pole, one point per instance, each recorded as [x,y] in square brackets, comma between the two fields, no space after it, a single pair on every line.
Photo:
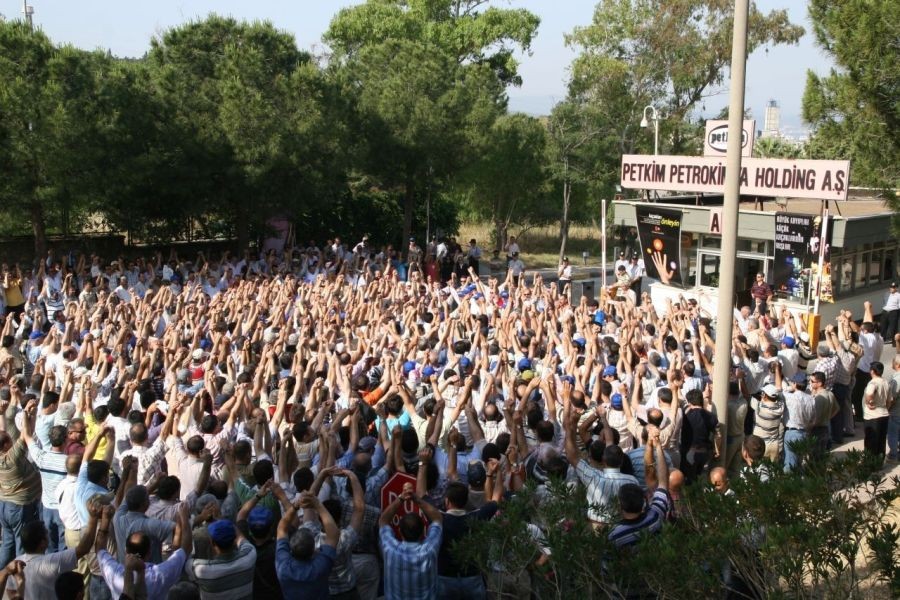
[725,312]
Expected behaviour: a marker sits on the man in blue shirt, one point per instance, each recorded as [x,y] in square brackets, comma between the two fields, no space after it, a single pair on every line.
[302,571]
[410,564]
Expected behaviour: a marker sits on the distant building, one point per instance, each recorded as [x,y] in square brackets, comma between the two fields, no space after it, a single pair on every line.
[772,122]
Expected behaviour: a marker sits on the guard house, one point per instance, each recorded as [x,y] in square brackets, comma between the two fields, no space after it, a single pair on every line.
[863,253]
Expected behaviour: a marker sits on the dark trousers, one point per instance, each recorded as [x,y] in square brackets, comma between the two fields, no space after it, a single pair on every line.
[841,392]
[693,461]
[12,518]
[889,320]
[862,380]
[876,435]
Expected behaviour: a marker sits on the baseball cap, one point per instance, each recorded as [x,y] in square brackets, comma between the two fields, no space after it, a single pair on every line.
[621,253]
[893,284]
[222,533]
[788,341]
[366,444]
[428,371]
[408,366]
[35,335]
[464,362]
[609,371]
[770,390]
[476,474]
[293,339]
[600,317]
[524,364]
[578,339]
[259,520]
[799,378]
[527,374]
[616,401]
[197,354]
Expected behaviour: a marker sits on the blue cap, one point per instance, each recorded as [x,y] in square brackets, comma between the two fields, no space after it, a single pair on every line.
[428,371]
[260,519]
[609,371]
[569,378]
[222,533]
[600,317]
[408,366]
[504,294]
[205,344]
[578,339]
[524,364]
[616,401]
[799,377]
[35,335]
[465,362]
[788,341]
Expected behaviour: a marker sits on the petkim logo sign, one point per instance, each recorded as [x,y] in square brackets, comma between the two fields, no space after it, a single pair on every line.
[818,179]
[716,143]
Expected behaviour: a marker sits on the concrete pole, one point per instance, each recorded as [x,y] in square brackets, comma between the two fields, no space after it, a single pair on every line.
[725,312]
[603,243]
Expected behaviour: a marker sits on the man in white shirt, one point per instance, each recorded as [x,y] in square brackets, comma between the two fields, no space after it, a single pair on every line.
[41,570]
[516,266]
[790,358]
[890,313]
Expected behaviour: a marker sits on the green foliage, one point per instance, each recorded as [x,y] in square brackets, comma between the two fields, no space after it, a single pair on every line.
[774,147]
[855,109]
[507,183]
[668,53]
[792,536]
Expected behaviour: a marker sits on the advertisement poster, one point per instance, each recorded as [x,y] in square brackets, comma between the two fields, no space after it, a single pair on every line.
[659,231]
[798,243]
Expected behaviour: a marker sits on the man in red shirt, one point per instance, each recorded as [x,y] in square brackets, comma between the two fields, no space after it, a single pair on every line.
[762,294]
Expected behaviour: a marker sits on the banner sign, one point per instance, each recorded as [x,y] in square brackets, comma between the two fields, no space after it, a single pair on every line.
[798,242]
[659,231]
[818,179]
[716,140]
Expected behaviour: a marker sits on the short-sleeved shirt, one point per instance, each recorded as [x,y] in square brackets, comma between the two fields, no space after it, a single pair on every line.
[410,568]
[41,571]
[52,467]
[227,576]
[308,579]
[126,522]
[628,531]
[879,390]
[602,487]
[20,482]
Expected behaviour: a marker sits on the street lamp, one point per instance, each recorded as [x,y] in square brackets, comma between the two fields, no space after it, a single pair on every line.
[654,115]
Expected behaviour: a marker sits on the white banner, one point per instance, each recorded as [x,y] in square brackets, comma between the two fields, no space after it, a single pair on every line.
[818,179]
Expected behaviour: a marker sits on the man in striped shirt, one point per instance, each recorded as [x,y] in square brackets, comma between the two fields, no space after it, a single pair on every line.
[636,520]
[410,564]
[51,465]
[229,573]
[768,421]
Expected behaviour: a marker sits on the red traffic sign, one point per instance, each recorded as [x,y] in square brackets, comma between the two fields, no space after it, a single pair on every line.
[391,491]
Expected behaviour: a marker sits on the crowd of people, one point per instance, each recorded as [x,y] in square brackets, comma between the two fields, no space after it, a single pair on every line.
[329,422]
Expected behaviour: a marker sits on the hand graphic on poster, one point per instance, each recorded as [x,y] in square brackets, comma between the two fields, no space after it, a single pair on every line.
[661,262]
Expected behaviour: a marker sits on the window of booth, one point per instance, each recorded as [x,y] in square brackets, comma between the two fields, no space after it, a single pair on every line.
[860,262]
[875,267]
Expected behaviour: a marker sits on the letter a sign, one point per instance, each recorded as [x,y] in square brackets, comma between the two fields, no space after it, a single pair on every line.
[715,221]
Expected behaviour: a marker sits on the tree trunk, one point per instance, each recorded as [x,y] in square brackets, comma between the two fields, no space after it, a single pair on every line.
[501,232]
[564,222]
[242,230]
[39,227]
[409,202]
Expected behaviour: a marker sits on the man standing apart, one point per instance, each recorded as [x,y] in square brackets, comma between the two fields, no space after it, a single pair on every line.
[20,491]
[762,294]
[410,565]
[875,411]
[890,313]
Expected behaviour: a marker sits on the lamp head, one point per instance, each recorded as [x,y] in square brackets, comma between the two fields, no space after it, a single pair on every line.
[644,122]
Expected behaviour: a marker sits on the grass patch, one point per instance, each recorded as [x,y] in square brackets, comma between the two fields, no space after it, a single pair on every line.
[540,245]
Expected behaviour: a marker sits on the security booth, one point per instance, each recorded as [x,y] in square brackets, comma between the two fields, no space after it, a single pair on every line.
[780,237]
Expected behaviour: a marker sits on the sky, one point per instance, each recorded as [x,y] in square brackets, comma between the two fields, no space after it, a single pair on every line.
[778,74]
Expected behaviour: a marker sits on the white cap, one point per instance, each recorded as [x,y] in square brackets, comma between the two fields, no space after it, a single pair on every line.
[770,390]
[198,354]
